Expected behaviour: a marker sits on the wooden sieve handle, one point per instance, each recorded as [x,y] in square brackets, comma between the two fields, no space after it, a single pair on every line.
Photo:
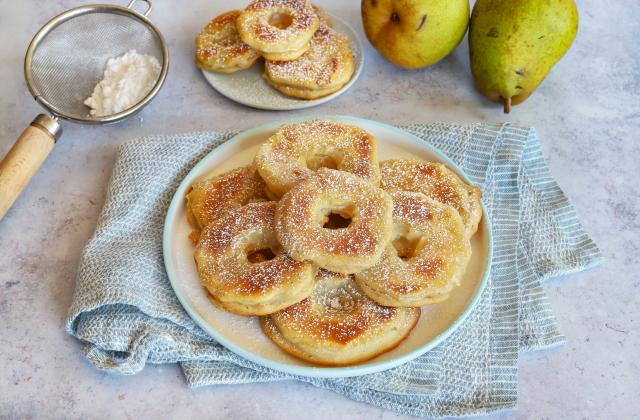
[25,157]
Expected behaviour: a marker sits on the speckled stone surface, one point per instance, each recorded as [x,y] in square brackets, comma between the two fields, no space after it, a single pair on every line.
[588,116]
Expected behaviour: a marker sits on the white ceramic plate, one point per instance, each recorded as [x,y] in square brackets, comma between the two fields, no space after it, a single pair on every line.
[249,88]
[243,335]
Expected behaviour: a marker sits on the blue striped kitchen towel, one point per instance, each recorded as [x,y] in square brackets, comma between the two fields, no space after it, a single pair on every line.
[126,314]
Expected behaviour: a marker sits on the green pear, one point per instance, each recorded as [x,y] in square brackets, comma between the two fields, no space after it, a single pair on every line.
[415,33]
[513,44]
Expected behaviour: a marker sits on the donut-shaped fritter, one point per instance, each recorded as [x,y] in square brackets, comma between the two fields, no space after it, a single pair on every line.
[335,220]
[219,47]
[428,254]
[437,181]
[295,151]
[212,197]
[242,266]
[325,68]
[338,324]
[278,29]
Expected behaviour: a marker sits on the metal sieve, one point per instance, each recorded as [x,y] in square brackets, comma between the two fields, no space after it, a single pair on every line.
[64,62]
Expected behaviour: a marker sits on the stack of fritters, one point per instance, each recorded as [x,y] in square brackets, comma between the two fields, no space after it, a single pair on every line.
[304,57]
[335,251]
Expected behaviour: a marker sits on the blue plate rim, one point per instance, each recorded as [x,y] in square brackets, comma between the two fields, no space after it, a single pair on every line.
[316,371]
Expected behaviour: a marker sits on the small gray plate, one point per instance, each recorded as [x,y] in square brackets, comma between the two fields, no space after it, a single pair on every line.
[247,87]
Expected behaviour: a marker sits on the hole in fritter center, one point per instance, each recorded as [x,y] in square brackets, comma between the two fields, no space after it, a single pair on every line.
[337,215]
[316,162]
[260,255]
[280,20]
[337,221]
[405,247]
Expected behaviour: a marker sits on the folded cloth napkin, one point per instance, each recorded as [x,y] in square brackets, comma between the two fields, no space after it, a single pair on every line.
[126,314]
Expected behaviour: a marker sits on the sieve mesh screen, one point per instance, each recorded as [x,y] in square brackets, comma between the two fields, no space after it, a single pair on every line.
[70,60]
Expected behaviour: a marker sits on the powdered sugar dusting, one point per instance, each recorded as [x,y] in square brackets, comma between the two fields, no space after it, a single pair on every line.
[213,198]
[302,211]
[328,62]
[221,255]
[338,312]
[127,80]
[434,180]
[283,161]
[433,236]
[219,46]
[249,87]
[256,30]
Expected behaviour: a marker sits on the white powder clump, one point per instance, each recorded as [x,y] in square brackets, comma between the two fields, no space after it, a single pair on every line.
[127,80]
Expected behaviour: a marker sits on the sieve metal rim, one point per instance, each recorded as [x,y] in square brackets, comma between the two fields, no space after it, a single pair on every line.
[83,10]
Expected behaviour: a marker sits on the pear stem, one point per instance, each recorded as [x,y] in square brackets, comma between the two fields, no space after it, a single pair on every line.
[506,102]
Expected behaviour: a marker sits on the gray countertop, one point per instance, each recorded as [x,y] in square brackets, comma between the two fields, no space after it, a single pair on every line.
[587,114]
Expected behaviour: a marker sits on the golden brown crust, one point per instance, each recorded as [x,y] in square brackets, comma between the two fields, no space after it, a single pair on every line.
[380,297]
[303,93]
[219,47]
[216,196]
[323,69]
[288,55]
[426,257]
[295,151]
[243,285]
[257,29]
[303,212]
[437,181]
[270,195]
[338,325]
